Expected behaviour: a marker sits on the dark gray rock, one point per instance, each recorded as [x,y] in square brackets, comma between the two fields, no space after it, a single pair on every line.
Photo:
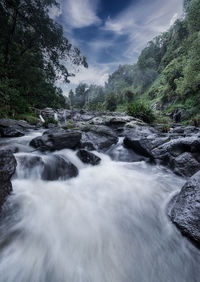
[11,132]
[186,165]
[144,146]
[15,123]
[88,157]
[122,154]
[57,167]
[184,209]
[50,168]
[57,141]
[7,169]
[55,130]
[99,138]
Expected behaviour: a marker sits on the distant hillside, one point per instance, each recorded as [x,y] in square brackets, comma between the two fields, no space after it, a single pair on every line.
[166,76]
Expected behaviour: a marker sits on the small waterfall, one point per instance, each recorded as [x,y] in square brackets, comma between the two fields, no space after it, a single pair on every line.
[56,116]
[41,118]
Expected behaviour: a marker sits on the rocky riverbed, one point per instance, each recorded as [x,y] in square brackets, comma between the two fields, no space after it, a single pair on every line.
[121,137]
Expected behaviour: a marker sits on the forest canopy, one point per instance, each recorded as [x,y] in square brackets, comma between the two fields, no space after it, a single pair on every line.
[33,55]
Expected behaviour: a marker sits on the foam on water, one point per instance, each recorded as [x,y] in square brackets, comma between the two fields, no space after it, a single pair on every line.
[109,224]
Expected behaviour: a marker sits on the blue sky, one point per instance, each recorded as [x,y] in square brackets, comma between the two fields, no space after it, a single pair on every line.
[112,32]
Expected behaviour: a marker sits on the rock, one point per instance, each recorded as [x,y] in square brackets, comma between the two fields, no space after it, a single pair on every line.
[16,148]
[57,141]
[57,167]
[11,132]
[15,123]
[114,120]
[144,146]
[88,157]
[7,169]
[50,168]
[186,165]
[184,209]
[56,130]
[99,138]
[122,154]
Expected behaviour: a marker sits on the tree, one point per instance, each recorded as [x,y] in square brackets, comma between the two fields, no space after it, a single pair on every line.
[33,52]
[111,102]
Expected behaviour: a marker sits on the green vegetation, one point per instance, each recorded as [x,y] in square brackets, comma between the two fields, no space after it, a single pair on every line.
[50,121]
[141,111]
[166,76]
[32,55]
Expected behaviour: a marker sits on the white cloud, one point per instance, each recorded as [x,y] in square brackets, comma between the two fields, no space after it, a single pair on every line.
[143,22]
[93,75]
[55,12]
[80,13]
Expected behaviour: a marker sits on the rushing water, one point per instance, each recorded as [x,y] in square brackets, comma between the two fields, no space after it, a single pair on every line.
[107,225]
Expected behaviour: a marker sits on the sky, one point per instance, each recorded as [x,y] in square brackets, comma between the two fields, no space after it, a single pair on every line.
[112,32]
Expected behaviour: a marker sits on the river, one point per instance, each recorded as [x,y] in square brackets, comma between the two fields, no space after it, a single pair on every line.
[109,224]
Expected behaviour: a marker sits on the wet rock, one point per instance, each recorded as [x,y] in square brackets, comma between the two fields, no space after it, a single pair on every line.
[15,123]
[186,165]
[123,154]
[57,141]
[99,138]
[184,209]
[144,146]
[7,169]
[50,168]
[57,167]
[88,157]
[55,130]
[16,148]
[11,132]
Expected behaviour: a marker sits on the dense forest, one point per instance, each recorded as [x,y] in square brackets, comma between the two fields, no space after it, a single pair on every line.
[165,78]
[33,55]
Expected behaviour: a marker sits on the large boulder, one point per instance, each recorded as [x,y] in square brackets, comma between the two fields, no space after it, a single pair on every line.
[15,123]
[49,168]
[11,132]
[184,209]
[185,165]
[98,138]
[58,167]
[88,157]
[57,140]
[175,149]
[13,128]
[7,169]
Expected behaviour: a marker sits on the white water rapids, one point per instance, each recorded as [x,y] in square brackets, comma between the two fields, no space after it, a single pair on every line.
[109,224]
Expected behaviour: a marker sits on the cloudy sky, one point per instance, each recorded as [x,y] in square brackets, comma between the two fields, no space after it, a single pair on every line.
[112,32]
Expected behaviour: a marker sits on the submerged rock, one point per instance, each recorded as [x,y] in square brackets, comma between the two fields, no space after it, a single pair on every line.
[57,141]
[50,168]
[88,157]
[57,167]
[7,169]
[184,209]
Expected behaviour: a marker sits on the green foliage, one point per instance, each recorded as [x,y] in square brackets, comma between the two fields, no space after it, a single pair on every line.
[111,102]
[50,120]
[33,50]
[140,110]
[29,118]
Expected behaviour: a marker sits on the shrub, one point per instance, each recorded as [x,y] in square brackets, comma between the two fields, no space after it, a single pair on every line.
[50,120]
[141,111]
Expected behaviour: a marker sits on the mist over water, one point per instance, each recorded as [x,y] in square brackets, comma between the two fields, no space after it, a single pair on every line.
[109,224]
